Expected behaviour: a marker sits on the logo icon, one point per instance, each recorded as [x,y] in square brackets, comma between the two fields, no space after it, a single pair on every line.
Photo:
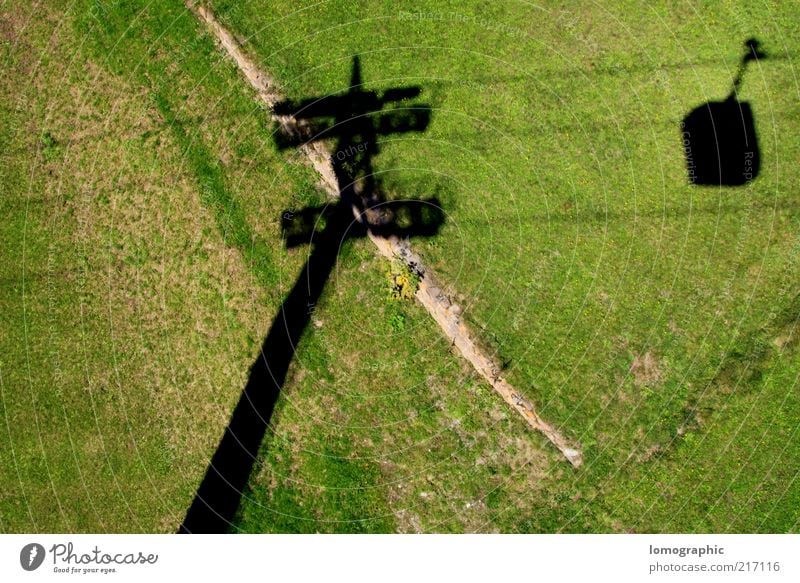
[31,556]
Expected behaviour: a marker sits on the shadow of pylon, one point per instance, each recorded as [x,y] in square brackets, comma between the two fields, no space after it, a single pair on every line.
[356,120]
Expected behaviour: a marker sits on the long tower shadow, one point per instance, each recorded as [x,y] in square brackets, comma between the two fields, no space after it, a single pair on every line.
[355,120]
[719,137]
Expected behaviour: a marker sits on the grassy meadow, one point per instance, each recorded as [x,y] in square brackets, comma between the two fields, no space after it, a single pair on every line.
[653,321]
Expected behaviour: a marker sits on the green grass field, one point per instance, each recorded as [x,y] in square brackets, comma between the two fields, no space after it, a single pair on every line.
[653,321]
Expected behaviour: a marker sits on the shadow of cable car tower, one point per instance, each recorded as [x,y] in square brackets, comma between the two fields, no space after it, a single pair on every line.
[719,137]
[356,120]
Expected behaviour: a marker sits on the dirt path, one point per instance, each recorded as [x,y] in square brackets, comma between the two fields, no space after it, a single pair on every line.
[430,292]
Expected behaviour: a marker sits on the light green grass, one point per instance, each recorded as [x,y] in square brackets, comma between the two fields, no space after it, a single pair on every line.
[575,240]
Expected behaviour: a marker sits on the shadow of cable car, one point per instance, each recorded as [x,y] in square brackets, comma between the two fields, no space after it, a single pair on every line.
[719,137]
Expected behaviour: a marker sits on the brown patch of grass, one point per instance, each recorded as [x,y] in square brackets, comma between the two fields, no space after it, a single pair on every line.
[646,370]
[8,27]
